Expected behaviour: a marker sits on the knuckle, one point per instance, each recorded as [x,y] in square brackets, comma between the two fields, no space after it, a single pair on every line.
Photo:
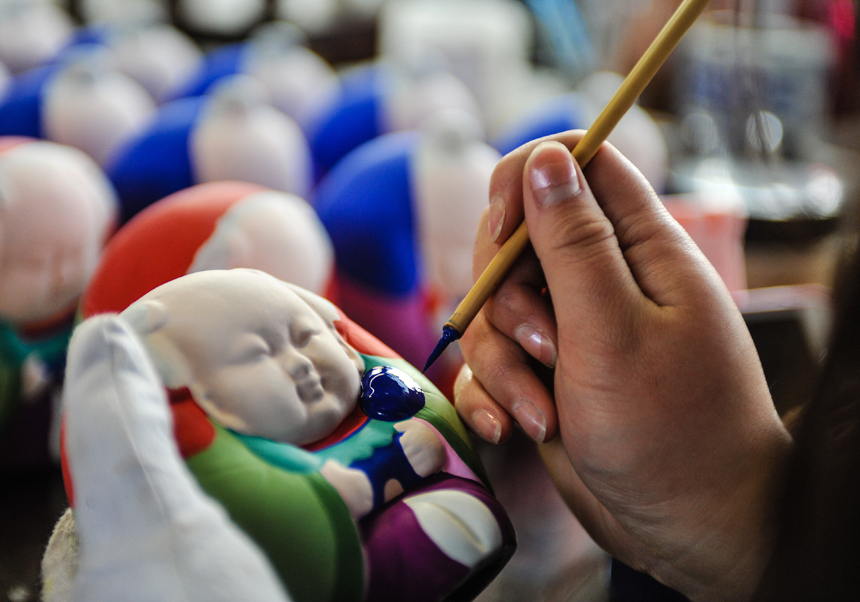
[583,232]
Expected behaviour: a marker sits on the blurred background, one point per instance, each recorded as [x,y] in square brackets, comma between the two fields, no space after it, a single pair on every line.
[387,116]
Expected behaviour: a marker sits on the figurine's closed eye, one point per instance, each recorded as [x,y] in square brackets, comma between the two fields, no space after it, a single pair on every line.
[301,332]
[250,349]
[304,336]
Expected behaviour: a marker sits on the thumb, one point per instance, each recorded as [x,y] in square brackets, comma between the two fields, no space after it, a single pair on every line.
[609,250]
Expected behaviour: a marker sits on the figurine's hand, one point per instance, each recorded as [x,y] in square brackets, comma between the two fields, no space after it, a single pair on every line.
[352,485]
[35,378]
[670,451]
[422,447]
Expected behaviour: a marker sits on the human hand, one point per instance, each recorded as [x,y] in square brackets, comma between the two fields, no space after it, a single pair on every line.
[352,485]
[422,447]
[670,451]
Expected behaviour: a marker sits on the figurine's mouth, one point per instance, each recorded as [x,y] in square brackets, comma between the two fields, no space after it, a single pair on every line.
[310,389]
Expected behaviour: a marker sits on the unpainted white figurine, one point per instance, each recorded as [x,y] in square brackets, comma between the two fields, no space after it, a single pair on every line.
[242,137]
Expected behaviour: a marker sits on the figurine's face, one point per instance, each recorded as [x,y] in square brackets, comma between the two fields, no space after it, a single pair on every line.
[261,360]
[52,225]
[44,265]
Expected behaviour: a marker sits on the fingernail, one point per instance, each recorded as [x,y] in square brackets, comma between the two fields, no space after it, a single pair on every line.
[537,344]
[487,426]
[531,419]
[496,219]
[553,177]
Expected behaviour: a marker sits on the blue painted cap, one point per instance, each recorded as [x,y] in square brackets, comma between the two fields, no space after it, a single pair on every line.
[21,106]
[349,121]
[365,204]
[157,162]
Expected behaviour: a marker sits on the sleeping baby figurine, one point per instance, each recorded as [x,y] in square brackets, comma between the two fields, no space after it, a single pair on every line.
[341,462]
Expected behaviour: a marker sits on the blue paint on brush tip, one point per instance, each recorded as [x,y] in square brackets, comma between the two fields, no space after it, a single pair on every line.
[449,335]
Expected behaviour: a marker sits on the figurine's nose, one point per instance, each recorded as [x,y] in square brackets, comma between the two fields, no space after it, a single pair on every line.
[63,270]
[296,364]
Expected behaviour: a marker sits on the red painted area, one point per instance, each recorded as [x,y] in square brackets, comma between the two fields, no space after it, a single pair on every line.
[191,428]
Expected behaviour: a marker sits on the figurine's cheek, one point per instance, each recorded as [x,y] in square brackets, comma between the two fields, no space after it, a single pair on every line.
[24,287]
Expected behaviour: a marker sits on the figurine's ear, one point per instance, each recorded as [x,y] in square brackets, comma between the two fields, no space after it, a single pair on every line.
[146,317]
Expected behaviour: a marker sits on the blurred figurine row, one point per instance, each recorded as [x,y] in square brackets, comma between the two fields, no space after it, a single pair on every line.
[158,198]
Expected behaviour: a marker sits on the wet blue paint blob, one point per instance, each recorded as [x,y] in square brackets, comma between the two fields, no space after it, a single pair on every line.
[390,394]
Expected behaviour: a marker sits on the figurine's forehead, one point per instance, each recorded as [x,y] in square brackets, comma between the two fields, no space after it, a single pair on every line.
[272,304]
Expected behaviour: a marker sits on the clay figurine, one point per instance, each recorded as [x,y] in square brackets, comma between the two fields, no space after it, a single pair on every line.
[299,82]
[402,211]
[80,100]
[218,225]
[230,134]
[56,211]
[381,98]
[348,468]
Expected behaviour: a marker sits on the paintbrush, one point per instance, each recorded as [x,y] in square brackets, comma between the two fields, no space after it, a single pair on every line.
[630,89]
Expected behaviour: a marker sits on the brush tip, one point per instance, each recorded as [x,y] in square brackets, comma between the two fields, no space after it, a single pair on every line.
[449,334]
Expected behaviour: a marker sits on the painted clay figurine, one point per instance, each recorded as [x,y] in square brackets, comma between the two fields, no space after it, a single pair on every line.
[401,256]
[32,33]
[157,55]
[79,100]
[56,211]
[218,225]
[299,82]
[341,461]
[381,98]
[230,134]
